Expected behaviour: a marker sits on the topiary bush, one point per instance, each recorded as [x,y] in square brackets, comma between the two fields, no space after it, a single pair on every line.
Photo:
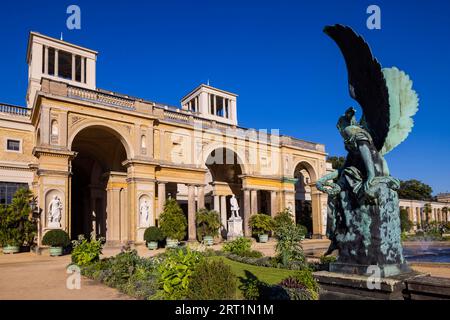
[261,224]
[173,222]
[212,280]
[56,238]
[153,234]
[85,251]
[208,223]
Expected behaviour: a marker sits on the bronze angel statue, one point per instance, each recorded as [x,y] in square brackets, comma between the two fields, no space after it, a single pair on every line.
[363,211]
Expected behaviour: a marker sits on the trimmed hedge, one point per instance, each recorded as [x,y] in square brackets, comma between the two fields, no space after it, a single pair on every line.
[56,238]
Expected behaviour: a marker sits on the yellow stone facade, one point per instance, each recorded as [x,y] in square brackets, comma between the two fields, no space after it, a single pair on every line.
[105,155]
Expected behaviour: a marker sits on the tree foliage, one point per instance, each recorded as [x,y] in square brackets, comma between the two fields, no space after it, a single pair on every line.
[208,223]
[415,190]
[405,223]
[173,222]
[336,162]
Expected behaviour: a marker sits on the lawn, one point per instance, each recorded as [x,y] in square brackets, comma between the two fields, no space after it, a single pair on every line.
[243,271]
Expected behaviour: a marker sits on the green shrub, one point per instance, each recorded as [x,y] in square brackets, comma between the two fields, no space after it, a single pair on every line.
[238,246]
[261,224]
[212,280]
[306,278]
[175,272]
[251,254]
[405,223]
[17,226]
[85,251]
[56,238]
[250,288]
[173,222]
[282,219]
[289,250]
[153,234]
[208,223]
[295,289]
[327,259]
[302,230]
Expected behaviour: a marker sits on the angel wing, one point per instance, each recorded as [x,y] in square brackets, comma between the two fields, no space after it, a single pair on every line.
[403,105]
[366,82]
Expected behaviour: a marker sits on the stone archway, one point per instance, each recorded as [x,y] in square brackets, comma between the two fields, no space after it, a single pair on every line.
[223,180]
[98,192]
[307,199]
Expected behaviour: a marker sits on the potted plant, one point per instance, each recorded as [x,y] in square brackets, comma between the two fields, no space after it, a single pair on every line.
[208,224]
[57,239]
[173,223]
[152,236]
[261,224]
[16,225]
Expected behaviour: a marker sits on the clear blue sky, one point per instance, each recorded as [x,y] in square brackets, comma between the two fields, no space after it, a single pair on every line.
[289,75]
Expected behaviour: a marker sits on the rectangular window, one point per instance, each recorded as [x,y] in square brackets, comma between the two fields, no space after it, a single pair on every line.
[211,103]
[43,59]
[78,68]
[13,145]
[65,65]
[219,106]
[8,189]
[51,61]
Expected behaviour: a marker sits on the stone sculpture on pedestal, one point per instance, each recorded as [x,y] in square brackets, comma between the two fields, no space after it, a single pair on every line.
[363,209]
[235,222]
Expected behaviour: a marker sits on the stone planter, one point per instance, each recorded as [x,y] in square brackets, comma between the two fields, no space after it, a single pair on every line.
[263,238]
[171,243]
[56,251]
[11,249]
[208,240]
[152,245]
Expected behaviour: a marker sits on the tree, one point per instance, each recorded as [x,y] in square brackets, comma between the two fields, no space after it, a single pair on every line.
[405,223]
[336,162]
[415,190]
[173,222]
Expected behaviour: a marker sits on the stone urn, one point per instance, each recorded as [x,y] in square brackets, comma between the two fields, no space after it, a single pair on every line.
[171,243]
[56,251]
[152,245]
[11,249]
[263,238]
[208,240]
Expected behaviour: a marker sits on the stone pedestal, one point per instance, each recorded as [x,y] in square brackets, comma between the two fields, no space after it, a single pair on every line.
[234,228]
[339,286]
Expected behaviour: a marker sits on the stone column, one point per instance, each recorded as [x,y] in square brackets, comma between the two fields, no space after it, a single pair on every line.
[83,67]
[161,198]
[247,212]
[56,63]
[217,203]
[200,197]
[316,213]
[192,233]
[273,203]
[46,60]
[254,201]
[223,211]
[73,67]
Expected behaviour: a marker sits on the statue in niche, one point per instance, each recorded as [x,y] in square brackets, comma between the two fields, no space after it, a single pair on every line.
[363,220]
[234,207]
[54,212]
[144,213]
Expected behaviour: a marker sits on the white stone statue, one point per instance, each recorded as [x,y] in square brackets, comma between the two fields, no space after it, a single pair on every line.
[144,211]
[235,221]
[54,213]
[234,207]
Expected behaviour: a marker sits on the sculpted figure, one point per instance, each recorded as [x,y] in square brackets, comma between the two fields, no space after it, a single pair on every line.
[54,212]
[144,211]
[234,207]
[363,221]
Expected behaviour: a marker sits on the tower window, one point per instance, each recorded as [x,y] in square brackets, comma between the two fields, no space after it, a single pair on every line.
[65,65]
[51,61]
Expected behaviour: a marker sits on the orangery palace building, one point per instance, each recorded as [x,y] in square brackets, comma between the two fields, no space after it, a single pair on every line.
[99,156]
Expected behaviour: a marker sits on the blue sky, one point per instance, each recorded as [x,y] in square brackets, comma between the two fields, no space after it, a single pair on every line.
[288,74]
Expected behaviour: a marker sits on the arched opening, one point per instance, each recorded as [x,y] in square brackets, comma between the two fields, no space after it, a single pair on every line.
[98,183]
[222,182]
[303,196]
